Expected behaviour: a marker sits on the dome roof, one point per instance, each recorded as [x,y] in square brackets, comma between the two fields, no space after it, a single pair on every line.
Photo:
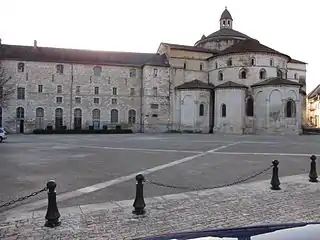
[226,15]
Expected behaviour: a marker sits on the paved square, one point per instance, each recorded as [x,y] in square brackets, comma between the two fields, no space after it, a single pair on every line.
[99,168]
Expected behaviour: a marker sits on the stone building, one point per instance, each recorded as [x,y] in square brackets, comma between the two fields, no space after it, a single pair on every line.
[227,82]
[313,109]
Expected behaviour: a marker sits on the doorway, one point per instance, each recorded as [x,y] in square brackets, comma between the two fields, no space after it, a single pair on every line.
[21,126]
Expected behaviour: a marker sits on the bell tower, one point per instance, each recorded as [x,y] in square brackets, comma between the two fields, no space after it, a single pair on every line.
[226,19]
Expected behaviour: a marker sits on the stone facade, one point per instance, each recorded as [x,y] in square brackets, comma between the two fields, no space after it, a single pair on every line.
[313,107]
[178,88]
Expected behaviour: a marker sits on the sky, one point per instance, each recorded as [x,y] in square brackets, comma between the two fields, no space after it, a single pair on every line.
[141,25]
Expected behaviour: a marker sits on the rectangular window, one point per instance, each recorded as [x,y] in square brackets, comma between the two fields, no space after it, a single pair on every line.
[96,100]
[114,101]
[78,99]
[114,91]
[154,106]
[40,88]
[59,68]
[21,93]
[133,72]
[77,89]
[59,99]
[155,91]
[155,72]
[97,71]
[132,91]
[96,90]
[201,66]
[59,89]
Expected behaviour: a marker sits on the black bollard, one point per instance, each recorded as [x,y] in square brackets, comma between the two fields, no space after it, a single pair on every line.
[313,176]
[53,215]
[139,203]
[275,182]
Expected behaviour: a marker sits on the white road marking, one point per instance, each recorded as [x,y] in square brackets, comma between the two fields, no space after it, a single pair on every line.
[268,154]
[137,149]
[99,186]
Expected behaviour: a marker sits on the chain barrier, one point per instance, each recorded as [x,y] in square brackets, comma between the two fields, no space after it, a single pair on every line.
[239,180]
[20,199]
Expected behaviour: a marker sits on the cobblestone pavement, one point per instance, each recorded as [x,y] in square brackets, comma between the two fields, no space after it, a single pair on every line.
[239,205]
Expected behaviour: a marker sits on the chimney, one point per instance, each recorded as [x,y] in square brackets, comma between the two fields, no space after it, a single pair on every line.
[35,43]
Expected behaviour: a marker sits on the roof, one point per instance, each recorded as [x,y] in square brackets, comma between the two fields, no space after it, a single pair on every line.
[224,33]
[314,92]
[250,45]
[231,84]
[276,81]
[226,15]
[297,61]
[49,54]
[195,84]
[189,48]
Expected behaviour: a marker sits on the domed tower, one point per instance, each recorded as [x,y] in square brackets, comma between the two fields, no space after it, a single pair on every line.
[226,19]
[225,37]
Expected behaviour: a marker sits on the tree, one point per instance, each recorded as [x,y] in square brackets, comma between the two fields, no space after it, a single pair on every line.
[6,88]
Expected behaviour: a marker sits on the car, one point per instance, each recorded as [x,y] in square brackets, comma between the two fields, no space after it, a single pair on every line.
[3,134]
[284,231]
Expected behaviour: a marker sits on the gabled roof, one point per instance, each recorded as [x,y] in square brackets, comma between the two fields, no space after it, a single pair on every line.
[65,55]
[195,84]
[276,81]
[189,48]
[314,92]
[297,61]
[250,45]
[231,84]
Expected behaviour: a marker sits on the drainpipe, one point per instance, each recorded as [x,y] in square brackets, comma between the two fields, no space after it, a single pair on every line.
[141,102]
[71,96]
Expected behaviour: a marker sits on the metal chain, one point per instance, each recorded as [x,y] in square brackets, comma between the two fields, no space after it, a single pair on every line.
[22,198]
[239,180]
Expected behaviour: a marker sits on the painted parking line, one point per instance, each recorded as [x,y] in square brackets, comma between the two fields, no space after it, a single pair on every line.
[102,185]
[268,154]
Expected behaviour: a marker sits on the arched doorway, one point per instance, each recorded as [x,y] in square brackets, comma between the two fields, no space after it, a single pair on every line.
[39,118]
[96,118]
[114,116]
[77,118]
[132,116]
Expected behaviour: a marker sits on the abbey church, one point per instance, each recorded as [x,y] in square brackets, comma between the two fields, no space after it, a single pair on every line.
[227,82]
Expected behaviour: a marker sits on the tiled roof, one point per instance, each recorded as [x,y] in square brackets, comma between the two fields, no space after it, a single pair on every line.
[297,61]
[314,92]
[189,48]
[224,33]
[276,81]
[64,55]
[250,45]
[195,84]
[231,84]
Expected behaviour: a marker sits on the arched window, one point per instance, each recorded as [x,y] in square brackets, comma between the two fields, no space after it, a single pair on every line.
[0,116]
[253,62]
[20,113]
[279,73]
[290,109]
[216,65]
[96,118]
[97,71]
[249,107]
[77,118]
[295,76]
[59,118]
[223,110]
[220,76]
[201,66]
[243,74]
[39,118]
[114,115]
[132,116]
[184,65]
[201,109]
[229,62]
[262,74]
